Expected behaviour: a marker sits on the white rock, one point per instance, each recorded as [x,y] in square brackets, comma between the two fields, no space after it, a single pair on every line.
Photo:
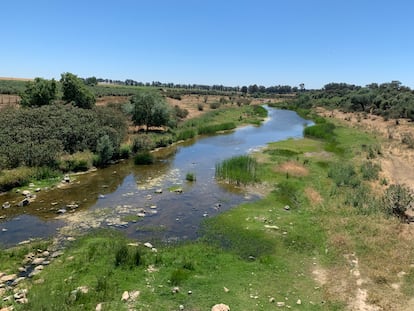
[38,261]
[181,307]
[220,307]
[125,296]
[280,303]
[148,244]
[299,302]
[134,295]
[98,307]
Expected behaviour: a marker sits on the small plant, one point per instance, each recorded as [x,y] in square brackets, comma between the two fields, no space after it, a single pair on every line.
[178,276]
[142,143]
[215,105]
[190,177]
[143,158]
[121,255]
[125,151]
[343,175]
[408,140]
[200,107]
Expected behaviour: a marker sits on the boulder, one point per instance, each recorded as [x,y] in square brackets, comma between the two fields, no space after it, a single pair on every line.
[6,205]
[220,307]
[125,296]
[24,202]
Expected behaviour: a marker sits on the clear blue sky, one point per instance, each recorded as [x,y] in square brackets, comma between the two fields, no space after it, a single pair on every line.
[267,42]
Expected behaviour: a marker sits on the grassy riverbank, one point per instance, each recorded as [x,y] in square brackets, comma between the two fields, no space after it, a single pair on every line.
[319,240]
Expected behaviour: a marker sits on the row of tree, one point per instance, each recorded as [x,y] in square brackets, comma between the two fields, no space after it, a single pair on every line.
[391,100]
[251,89]
[42,92]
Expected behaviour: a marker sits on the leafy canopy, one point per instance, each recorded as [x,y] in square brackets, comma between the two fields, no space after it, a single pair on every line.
[39,92]
[150,109]
[76,92]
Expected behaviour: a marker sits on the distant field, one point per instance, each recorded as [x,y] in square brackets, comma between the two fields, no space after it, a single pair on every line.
[15,79]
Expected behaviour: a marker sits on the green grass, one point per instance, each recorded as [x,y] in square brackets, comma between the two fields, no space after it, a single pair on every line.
[190,177]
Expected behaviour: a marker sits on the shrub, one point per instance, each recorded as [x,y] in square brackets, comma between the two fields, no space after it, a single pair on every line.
[77,162]
[396,200]
[370,171]
[125,151]
[408,139]
[142,143]
[180,113]
[200,107]
[343,175]
[121,255]
[215,105]
[214,128]
[143,158]
[104,150]
[322,131]
[190,177]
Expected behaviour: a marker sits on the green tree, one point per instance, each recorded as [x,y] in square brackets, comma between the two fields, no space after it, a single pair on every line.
[150,109]
[38,93]
[104,149]
[91,81]
[75,91]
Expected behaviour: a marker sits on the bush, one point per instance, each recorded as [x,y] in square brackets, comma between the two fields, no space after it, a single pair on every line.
[125,151]
[200,107]
[178,276]
[77,162]
[190,177]
[104,150]
[370,171]
[142,143]
[143,158]
[180,113]
[215,105]
[396,200]
[322,131]
[343,175]
[408,139]
[18,177]
[214,128]
[185,134]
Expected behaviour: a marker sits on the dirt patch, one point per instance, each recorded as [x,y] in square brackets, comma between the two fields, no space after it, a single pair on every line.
[314,197]
[292,168]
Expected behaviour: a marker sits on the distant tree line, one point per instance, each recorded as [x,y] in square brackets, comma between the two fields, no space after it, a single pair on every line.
[390,100]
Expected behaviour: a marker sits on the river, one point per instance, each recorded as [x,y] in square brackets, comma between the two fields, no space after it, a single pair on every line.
[123,196]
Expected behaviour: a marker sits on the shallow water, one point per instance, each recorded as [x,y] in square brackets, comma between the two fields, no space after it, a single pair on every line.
[112,197]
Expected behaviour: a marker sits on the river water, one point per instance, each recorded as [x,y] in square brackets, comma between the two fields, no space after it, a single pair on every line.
[119,195]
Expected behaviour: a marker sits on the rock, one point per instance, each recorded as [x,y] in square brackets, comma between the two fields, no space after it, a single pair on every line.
[158,191]
[3,217]
[38,261]
[226,290]
[286,208]
[98,307]
[72,206]
[22,300]
[71,238]
[181,307]
[45,254]
[141,214]
[33,273]
[66,179]
[26,193]
[220,307]
[178,190]
[57,254]
[8,278]
[190,292]
[271,227]
[39,267]
[175,290]
[22,269]
[4,230]
[10,308]
[134,295]
[125,296]
[61,211]
[280,303]
[6,205]
[23,202]
[147,244]
[272,299]
[153,206]
[83,289]
[37,190]
[299,302]
[18,280]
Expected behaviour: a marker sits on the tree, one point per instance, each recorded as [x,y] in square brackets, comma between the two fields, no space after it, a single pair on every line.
[39,92]
[244,89]
[104,149]
[75,91]
[150,109]
[91,81]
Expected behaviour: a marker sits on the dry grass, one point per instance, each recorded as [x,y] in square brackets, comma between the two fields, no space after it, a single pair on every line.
[292,168]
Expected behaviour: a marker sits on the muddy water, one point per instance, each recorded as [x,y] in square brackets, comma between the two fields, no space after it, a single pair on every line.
[123,196]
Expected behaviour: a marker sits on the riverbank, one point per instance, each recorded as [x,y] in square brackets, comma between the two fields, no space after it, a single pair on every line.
[314,242]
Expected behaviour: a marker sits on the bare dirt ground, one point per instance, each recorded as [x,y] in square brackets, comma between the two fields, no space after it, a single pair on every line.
[397,159]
